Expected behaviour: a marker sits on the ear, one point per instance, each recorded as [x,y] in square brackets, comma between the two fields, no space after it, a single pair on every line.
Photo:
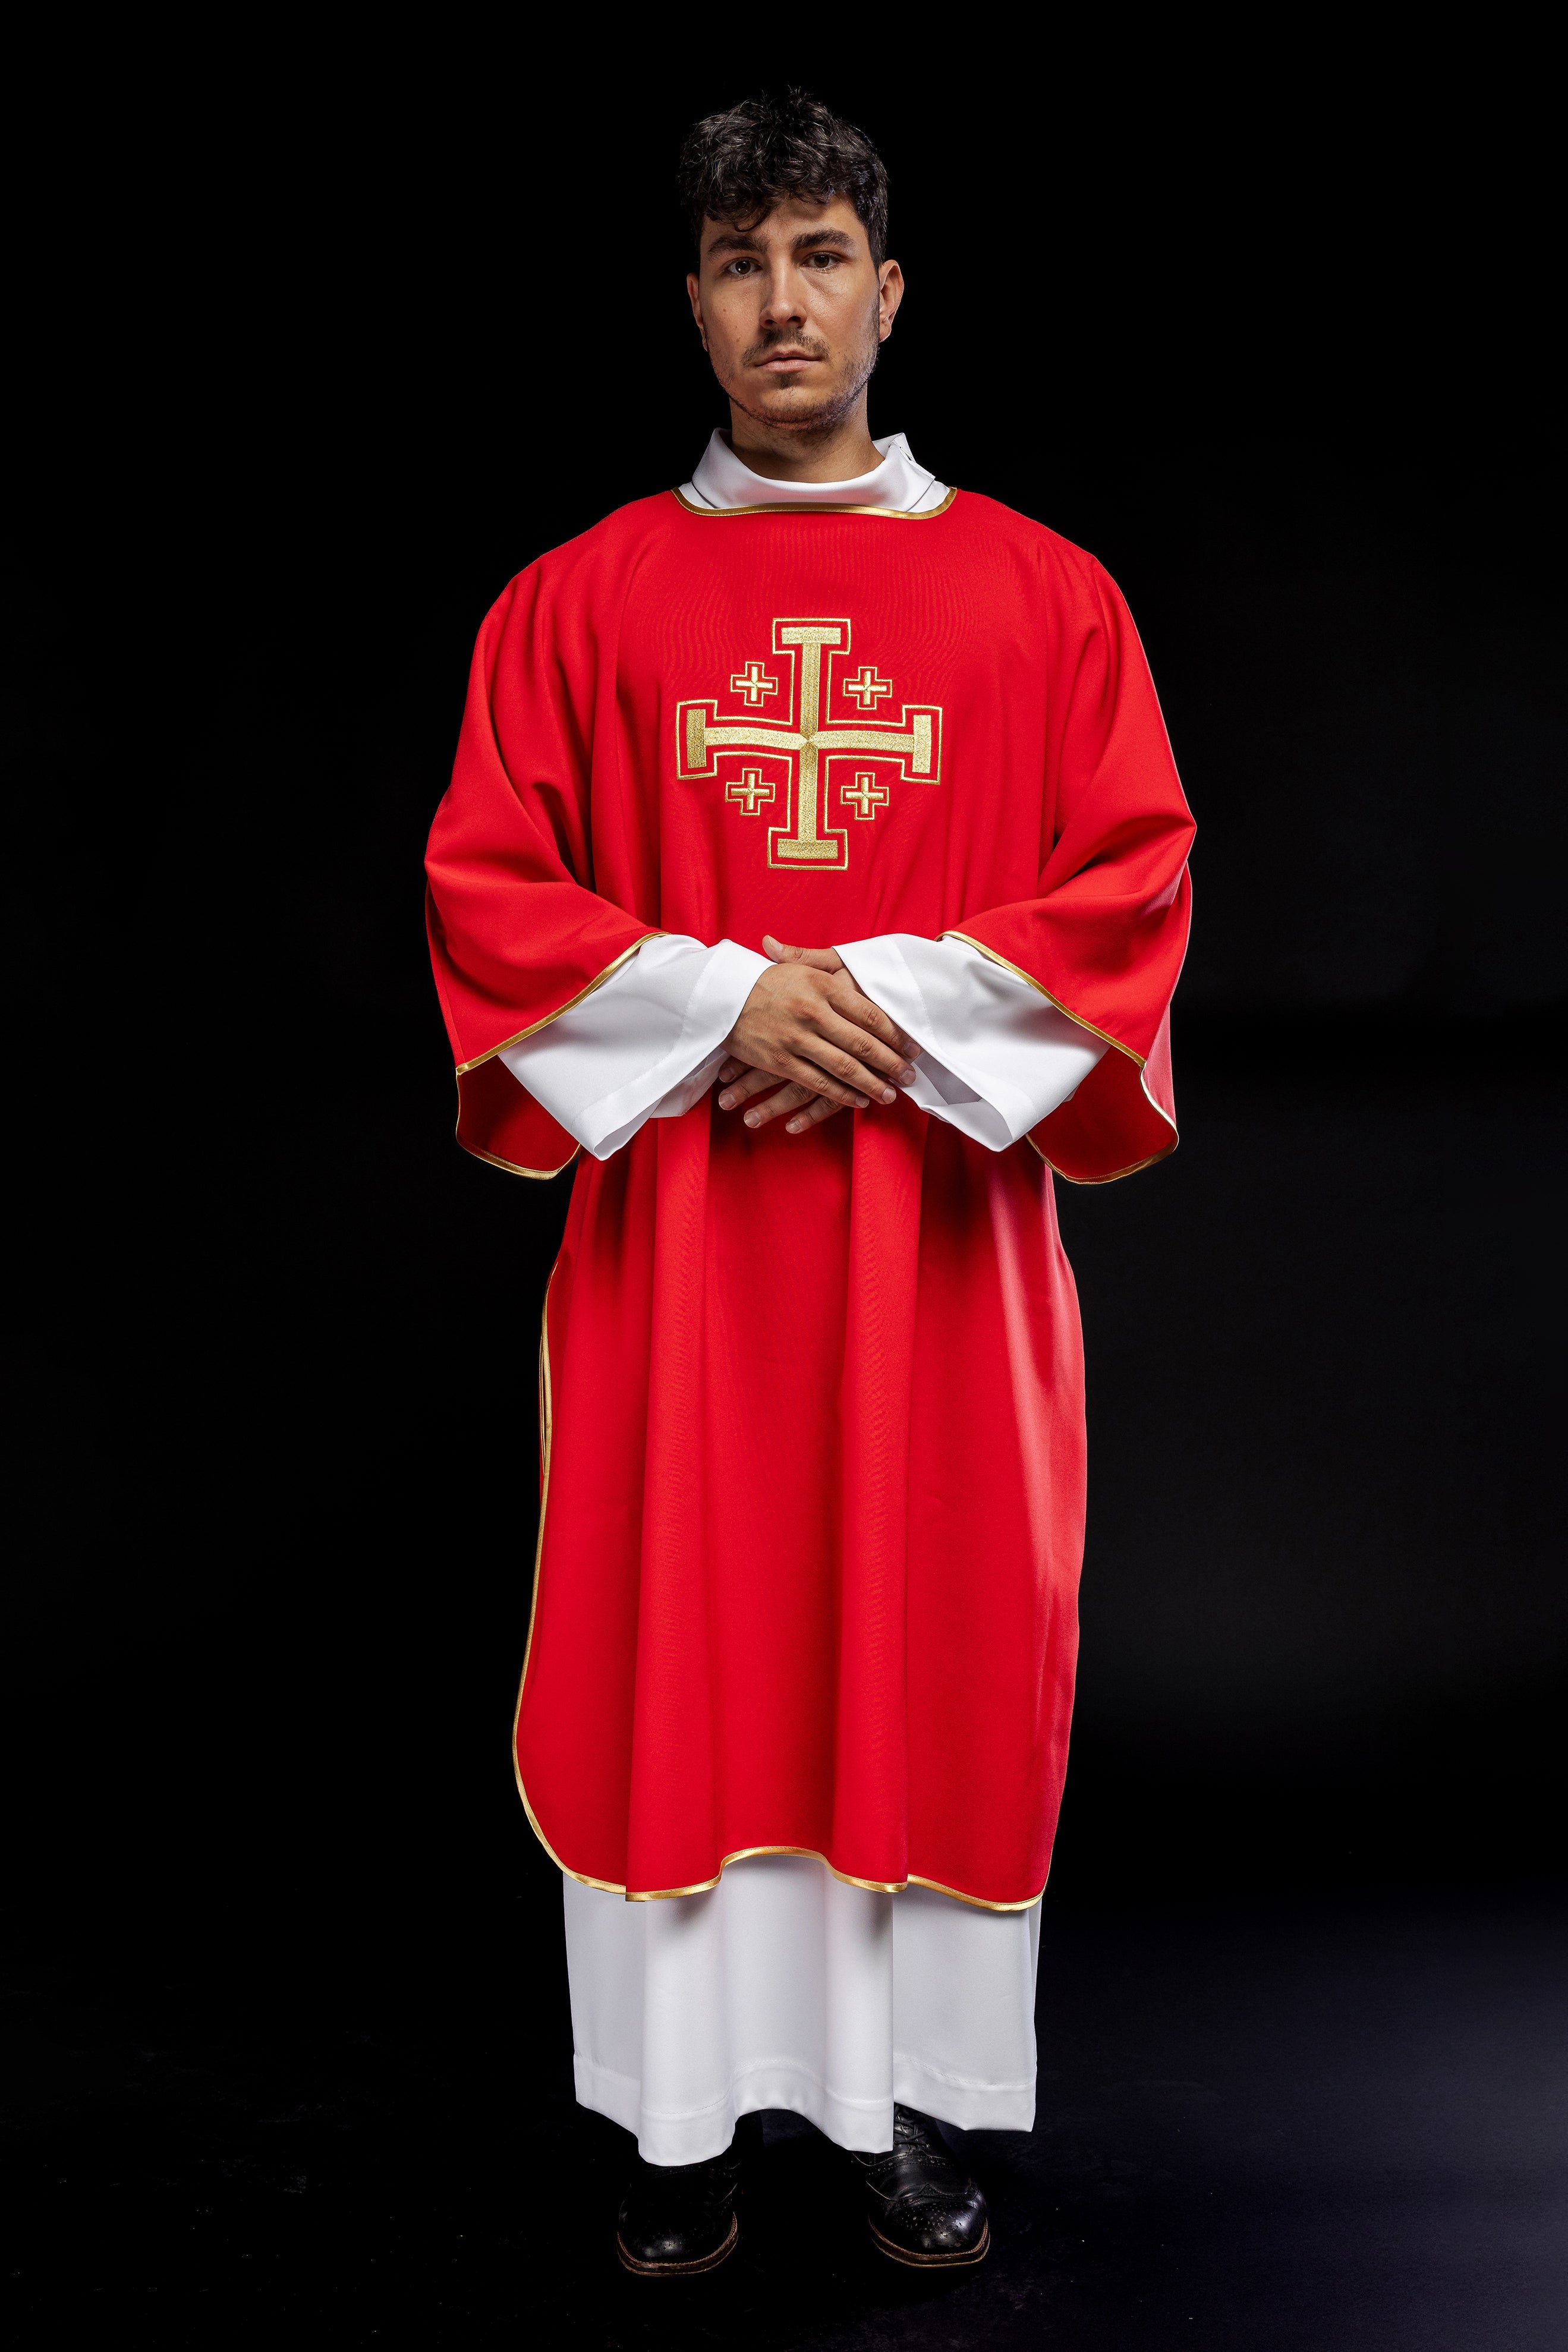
[890,294]
[694,295]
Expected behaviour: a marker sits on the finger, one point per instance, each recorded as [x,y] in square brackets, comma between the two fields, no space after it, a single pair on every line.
[752,1082]
[813,1062]
[808,1108]
[847,999]
[858,1072]
[779,1106]
[729,1068]
[833,1056]
[816,959]
[791,1097]
[812,1116]
[880,1062]
[819,1081]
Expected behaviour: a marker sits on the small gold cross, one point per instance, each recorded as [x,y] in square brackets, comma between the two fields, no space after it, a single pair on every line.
[869,689]
[754,683]
[751,792]
[865,794]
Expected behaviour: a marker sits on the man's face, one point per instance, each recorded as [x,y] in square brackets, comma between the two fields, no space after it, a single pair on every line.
[791,311]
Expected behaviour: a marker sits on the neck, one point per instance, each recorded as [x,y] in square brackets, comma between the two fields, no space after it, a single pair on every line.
[838,452]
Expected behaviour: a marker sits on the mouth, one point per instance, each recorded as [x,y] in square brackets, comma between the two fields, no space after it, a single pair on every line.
[788,363]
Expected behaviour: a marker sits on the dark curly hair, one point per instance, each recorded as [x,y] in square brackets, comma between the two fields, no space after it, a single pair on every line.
[737,166]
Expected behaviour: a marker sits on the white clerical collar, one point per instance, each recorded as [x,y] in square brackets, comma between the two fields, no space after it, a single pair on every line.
[721,480]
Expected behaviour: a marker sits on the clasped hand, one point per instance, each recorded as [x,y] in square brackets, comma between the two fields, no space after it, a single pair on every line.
[806,1021]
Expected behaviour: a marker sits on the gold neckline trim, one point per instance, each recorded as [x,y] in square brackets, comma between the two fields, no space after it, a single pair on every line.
[789,506]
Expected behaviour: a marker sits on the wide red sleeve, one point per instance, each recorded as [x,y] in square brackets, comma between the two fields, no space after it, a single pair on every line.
[518,935]
[1105,938]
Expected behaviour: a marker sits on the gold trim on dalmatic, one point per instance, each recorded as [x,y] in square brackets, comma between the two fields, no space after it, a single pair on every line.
[1019,973]
[539,1175]
[1132,1168]
[546,1420]
[535,1026]
[1140,1060]
[741,1854]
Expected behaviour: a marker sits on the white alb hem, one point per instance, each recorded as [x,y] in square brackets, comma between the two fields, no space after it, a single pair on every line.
[785,1988]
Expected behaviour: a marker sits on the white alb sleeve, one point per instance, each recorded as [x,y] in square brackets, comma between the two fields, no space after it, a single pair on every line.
[645,1045]
[996,1057]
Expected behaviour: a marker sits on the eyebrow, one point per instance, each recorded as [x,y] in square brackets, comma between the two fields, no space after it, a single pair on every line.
[740,241]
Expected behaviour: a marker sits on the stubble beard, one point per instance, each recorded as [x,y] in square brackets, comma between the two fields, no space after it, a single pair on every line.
[826,413]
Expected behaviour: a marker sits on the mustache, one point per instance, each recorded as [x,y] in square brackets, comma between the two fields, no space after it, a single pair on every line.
[780,339]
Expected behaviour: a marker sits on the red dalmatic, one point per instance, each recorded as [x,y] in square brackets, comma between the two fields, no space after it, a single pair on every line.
[813,1406]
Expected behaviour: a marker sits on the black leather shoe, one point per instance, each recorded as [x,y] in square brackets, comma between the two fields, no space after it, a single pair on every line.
[919,2207]
[678,2220]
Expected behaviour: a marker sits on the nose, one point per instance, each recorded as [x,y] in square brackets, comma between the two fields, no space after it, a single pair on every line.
[782,302]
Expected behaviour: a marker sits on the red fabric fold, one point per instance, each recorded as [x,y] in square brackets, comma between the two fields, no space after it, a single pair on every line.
[517,931]
[1106,931]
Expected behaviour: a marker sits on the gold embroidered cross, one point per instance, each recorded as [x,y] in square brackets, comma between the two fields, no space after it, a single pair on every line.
[752,683]
[869,689]
[804,736]
[866,794]
[750,791]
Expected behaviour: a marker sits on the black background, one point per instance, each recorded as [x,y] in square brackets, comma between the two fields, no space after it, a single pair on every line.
[314,380]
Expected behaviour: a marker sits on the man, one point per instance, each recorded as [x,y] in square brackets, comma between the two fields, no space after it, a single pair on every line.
[812,788]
